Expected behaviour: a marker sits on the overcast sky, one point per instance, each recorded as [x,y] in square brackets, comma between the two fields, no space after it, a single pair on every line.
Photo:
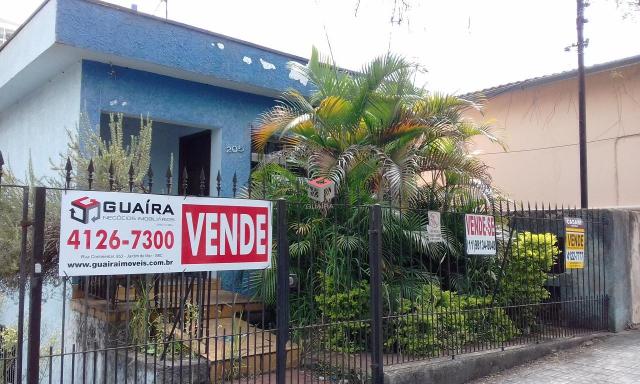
[464,45]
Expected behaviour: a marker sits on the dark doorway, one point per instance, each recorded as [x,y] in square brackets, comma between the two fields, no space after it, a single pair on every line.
[195,157]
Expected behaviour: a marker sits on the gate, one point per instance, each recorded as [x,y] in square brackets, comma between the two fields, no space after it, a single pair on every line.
[355,287]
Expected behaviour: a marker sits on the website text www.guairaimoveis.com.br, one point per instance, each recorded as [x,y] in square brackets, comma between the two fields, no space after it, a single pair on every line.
[119,264]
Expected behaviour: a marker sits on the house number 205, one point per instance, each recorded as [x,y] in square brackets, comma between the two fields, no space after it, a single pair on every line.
[234,148]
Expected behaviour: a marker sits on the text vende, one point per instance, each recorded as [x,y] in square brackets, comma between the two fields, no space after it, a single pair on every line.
[224,234]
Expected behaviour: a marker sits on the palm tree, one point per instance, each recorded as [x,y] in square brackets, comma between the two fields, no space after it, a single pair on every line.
[379,137]
[376,129]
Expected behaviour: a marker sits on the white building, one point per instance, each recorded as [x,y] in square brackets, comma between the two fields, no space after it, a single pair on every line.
[7,28]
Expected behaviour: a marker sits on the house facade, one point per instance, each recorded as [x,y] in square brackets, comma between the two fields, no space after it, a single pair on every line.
[77,61]
[539,121]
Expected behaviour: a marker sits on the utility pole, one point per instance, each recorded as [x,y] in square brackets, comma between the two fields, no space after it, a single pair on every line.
[166,8]
[582,107]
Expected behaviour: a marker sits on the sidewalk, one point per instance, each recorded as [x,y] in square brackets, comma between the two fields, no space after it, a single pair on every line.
[615,359]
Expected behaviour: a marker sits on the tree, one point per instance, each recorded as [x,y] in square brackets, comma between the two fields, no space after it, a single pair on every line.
[376,129]
[380,139]
[112,161]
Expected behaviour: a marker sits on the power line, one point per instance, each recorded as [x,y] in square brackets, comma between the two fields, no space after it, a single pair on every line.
[560,145]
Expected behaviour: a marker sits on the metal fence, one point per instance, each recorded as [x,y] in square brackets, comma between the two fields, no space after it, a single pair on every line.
[354,288]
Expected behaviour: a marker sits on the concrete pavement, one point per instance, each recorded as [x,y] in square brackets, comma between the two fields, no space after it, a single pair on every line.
[615,360]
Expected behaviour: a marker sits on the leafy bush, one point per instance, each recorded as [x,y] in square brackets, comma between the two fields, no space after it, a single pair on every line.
[87,145]
[526,271]
[345,312]
[11,205]
[443,322]
[527,268]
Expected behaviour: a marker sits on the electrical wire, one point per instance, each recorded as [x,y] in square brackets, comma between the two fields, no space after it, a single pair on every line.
[558,146]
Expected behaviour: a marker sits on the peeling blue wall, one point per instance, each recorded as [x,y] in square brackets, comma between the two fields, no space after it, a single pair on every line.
[116,89]
[120,32]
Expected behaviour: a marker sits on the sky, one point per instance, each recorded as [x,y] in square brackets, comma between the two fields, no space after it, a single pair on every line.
[462,45]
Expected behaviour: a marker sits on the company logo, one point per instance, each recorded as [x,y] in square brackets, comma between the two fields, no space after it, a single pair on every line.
[85,209]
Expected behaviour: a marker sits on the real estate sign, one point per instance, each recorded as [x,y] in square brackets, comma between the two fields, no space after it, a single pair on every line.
[480,234]
[574,241]
[434,228]
[109,233]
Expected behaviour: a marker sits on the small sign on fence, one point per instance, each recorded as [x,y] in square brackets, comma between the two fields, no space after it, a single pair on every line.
[434,228]
[113,233]
[574,241]
[480,234]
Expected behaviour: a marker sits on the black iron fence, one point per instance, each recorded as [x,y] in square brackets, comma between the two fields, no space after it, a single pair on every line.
[354,287]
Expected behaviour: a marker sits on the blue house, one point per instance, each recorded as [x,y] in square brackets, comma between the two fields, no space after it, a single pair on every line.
[84,57]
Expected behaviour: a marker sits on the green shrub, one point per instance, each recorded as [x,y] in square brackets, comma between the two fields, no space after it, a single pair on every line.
[345,312]
[443,321]
[526,271]
[490,324]
[527,268]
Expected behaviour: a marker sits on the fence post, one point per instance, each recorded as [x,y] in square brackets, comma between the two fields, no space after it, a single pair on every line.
[35,298]
[375,255]
[282,304]
[23,281]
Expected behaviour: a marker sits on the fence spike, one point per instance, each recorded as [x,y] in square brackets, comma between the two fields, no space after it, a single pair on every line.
[132,172]
[90,169]
[203,180]
[234,182]
[1,164]
[185,180]
[150,178]
[218,180]
[112,175]
[169,176]
[67,173]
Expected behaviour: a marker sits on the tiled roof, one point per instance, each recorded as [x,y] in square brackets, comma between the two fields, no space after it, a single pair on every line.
[516,85]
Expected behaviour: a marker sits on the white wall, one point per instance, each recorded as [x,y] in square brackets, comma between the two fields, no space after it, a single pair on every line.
[540,124]
[36,126]
[34,38]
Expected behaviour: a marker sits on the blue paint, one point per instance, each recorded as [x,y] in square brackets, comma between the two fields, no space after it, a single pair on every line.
[134,93]
[120,32]
[165,142]
[177,104]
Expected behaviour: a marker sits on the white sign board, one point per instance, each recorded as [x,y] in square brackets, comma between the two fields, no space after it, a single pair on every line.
[480,234]
[434,228]
[109,233]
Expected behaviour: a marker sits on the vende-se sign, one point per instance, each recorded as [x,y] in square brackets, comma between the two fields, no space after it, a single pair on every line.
[108,233]
[480,234]
[574,243]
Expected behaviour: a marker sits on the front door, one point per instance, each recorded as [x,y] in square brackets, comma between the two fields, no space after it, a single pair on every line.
[194,157]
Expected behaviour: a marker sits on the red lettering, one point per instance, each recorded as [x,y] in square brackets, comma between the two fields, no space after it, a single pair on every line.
[480,225]
[214,234]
